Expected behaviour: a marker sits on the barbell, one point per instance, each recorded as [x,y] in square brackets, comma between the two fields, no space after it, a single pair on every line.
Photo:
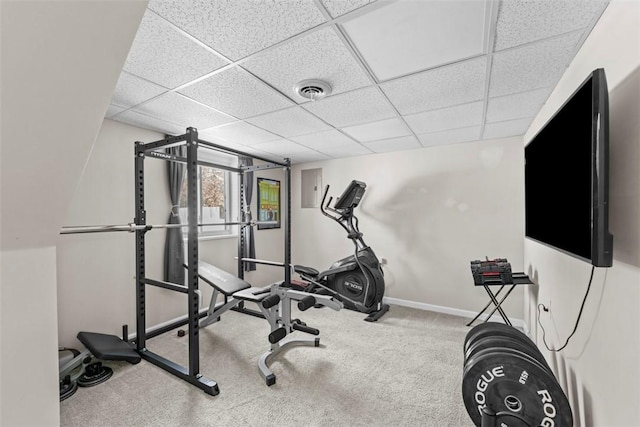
[131,227]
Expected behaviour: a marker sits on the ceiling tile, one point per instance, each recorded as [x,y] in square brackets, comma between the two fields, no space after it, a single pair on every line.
[383,129]
[507,128]
[239,28]
[282,147]
[180,41]
[290,122]
[237,93]
[520,105]
[180,109]
[311,156]
[163,55]
[453,136]
[394,144]
[241,133]
[340,7]
[249,150]
[526,21]
[264,154]
[147,122]
[346,150]
[132,90]
[358,106]
[112,110]
[205,135]
[532,66]
[407,36]
[441,87]
[446,118]
[318,55]
[320,140]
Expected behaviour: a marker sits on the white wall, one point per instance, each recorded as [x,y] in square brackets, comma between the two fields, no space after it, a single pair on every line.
[28,316]
[429,212]
[53,55]
[599,369]
[96,271]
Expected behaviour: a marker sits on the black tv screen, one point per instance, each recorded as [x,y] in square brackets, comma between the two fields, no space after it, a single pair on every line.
[567,176]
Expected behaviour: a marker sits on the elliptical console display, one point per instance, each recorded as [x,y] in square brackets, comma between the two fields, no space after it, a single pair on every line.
[356,280]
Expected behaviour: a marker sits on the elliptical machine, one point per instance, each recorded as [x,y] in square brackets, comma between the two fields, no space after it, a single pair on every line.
[357,280]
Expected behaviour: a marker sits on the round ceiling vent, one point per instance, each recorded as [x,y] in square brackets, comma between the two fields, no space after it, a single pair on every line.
[312,89]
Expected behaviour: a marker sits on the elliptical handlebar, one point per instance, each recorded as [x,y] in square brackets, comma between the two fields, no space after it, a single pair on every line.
[324,207]
[345,217]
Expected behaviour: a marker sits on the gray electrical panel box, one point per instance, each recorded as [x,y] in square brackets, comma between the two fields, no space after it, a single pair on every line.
[311,188]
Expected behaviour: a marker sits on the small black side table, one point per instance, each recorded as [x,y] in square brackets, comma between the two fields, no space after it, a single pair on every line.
[518,279]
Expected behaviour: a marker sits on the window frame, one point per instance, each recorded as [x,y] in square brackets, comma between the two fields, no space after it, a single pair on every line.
[230,203]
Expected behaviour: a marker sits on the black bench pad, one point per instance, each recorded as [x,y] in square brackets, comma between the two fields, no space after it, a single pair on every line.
[253,294]
[225,282]
[108,347]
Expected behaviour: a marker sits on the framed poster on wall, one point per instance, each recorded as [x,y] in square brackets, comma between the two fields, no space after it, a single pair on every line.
[268,203]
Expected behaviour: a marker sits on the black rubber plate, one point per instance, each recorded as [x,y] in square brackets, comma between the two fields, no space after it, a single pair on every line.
[517,353]
[506,381]
[506,342]
[492,329]
[67,389]
[94,374]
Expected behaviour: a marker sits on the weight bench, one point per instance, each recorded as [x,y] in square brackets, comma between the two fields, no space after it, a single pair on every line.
[226,284]
[274,302]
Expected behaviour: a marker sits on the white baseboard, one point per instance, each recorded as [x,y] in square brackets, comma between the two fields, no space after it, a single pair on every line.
[518,323]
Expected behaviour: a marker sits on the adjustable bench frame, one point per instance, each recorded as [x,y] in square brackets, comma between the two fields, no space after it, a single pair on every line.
[274,303]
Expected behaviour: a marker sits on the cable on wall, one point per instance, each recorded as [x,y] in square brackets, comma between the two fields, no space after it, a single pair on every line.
[575,328]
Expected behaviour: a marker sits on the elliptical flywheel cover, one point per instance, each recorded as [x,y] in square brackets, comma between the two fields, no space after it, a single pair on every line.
[352,284]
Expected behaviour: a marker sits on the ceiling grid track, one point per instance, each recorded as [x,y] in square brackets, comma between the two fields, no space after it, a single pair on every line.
[494,10]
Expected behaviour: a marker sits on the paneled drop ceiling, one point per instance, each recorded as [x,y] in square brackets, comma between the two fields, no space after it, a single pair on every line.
[403,74]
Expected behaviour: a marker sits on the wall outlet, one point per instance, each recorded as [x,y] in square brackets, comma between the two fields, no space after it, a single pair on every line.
[383,261]
[545,304]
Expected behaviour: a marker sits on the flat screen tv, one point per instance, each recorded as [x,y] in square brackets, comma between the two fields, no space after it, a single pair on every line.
[567,176]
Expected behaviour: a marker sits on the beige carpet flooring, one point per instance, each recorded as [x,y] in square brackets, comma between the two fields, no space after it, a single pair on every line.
[405,370]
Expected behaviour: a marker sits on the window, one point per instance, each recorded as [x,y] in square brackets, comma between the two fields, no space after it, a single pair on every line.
[214,201]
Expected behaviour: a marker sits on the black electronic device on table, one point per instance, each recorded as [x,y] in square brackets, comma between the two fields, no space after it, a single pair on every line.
[496,272]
